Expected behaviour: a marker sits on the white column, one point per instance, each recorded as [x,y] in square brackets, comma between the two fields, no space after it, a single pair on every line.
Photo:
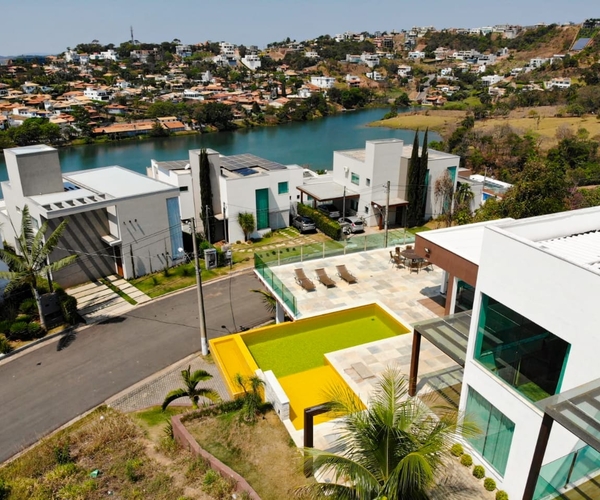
[279,313]
[444,285]
[452,295]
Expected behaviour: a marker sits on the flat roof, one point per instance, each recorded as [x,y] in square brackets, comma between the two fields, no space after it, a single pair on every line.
[118,182]
[573,236]
[26,150]
[247,160]
[173,164]
[464,241]
[328,190]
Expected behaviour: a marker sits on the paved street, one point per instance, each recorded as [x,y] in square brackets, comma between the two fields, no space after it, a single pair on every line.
[45,388]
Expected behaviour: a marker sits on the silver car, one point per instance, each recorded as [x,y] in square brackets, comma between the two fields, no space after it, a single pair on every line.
[303,224]
[352,224]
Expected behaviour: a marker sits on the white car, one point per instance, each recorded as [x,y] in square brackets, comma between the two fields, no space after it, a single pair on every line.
[352,224]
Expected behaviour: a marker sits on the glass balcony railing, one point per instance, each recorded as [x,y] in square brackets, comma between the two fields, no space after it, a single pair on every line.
[581,468]
[276,285]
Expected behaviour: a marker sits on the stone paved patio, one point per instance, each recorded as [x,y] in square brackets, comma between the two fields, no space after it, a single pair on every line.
[378,281]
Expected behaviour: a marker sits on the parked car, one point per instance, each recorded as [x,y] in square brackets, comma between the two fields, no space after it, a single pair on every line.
[329,210]
[352,224]
[303,224]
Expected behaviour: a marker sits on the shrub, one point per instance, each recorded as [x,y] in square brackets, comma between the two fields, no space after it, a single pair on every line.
[501,495]
[24,317]
[29,306]
[68,304]
[62,452]
[196,468]
[466,460]
[18,330]
[132,471]
[5,348]
[489,484]
[327,226]
[5,326]
[479,472]
[216,485]
[457,449]
[4,489]
[34,330]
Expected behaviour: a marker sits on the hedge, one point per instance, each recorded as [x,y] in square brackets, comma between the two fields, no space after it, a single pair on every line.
[489,484]
[324,224]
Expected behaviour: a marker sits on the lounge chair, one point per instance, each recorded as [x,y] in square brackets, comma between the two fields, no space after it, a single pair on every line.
[324,278]
[346,275]
[304,281]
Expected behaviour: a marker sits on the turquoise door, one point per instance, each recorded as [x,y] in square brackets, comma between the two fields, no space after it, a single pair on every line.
[262,208]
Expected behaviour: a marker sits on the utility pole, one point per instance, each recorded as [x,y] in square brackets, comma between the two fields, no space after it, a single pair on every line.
[344,203]
[201,316]
[225,222]
[208,225]
[387,211]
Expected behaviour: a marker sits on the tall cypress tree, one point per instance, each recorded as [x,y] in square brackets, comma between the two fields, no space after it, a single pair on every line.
[412,189]
[423,179]
[206,195]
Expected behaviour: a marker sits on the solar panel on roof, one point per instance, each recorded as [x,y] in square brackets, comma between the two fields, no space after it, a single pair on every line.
[246,160]
[581,43]
[69,186]
[246,171]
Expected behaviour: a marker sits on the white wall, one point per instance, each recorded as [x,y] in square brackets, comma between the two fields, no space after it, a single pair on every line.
[239,194]
[180,179]
[437,168]
[560,297]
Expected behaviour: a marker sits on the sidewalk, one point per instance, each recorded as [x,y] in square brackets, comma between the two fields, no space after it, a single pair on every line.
[152,391]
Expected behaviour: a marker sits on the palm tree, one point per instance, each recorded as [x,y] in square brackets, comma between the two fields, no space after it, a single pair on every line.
[268,299]
[391,450]
[247,223]
[32,260]
[191,380]
[252,399]
[463,195]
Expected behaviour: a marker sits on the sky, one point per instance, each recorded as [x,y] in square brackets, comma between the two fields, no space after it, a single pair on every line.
[42,26]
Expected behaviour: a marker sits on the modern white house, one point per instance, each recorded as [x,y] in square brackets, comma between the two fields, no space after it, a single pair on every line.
[529,347]
[371,60]
[97,94]
[120,222]
[251,61]
[107,55]
[323,82]
[240,183]
[359,178]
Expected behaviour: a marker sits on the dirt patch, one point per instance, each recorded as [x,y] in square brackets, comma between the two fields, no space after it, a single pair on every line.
[442,121]
[252,451]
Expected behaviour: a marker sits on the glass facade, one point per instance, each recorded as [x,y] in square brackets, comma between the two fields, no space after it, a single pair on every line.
[496,431]
[523,354]
[174,227]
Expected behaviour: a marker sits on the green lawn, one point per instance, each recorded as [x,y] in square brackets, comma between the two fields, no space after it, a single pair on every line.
[300,346]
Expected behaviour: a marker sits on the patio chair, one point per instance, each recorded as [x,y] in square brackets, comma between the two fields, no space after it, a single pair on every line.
[408,247]
[426,264]
[397,260]
[324,278]
[304,281]
[346,275]
[415,265]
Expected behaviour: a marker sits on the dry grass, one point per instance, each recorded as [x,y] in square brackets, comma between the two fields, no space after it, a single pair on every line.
[130,468]
[444,122]
[547,126]
[262,453]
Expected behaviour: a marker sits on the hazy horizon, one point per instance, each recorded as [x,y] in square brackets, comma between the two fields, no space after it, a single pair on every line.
[41,27]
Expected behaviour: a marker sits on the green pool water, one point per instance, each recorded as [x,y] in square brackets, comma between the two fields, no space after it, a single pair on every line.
[299,346]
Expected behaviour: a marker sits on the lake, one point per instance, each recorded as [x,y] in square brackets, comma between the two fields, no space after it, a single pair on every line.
[304,143]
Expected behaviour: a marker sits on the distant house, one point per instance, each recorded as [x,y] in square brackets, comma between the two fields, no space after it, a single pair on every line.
[251,61]
[323,82]
[558,83]
[116,109]
[376,76]
[107,55]
[371,60]
[404,71]
[97,94]
[30,87]
[352,80]
[490,80]
[183,50]
[416,55]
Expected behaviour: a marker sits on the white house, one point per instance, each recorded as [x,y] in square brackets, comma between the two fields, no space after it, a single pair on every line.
[558,83]
[30,87]
[183,50]
[359,179]
[251,61]
[352,80]
[71,56]
[107,55]
[489,80]
[323,82]
[404,71]
[120,222]
[416,55]
[96,94]
[538,62]
[311,54]
[240,183]
[371,60]
[376,76]
[531,378]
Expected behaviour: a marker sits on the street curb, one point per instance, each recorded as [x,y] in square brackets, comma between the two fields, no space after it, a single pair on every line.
[11,356]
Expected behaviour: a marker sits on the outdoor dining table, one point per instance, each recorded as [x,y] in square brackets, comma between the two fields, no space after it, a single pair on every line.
[410,255]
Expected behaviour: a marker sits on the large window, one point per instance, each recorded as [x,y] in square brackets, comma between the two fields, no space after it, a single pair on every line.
[520,352]
[175,228]
[496,431]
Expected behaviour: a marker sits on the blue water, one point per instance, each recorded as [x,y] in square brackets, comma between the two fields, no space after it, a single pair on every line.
[307,144]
